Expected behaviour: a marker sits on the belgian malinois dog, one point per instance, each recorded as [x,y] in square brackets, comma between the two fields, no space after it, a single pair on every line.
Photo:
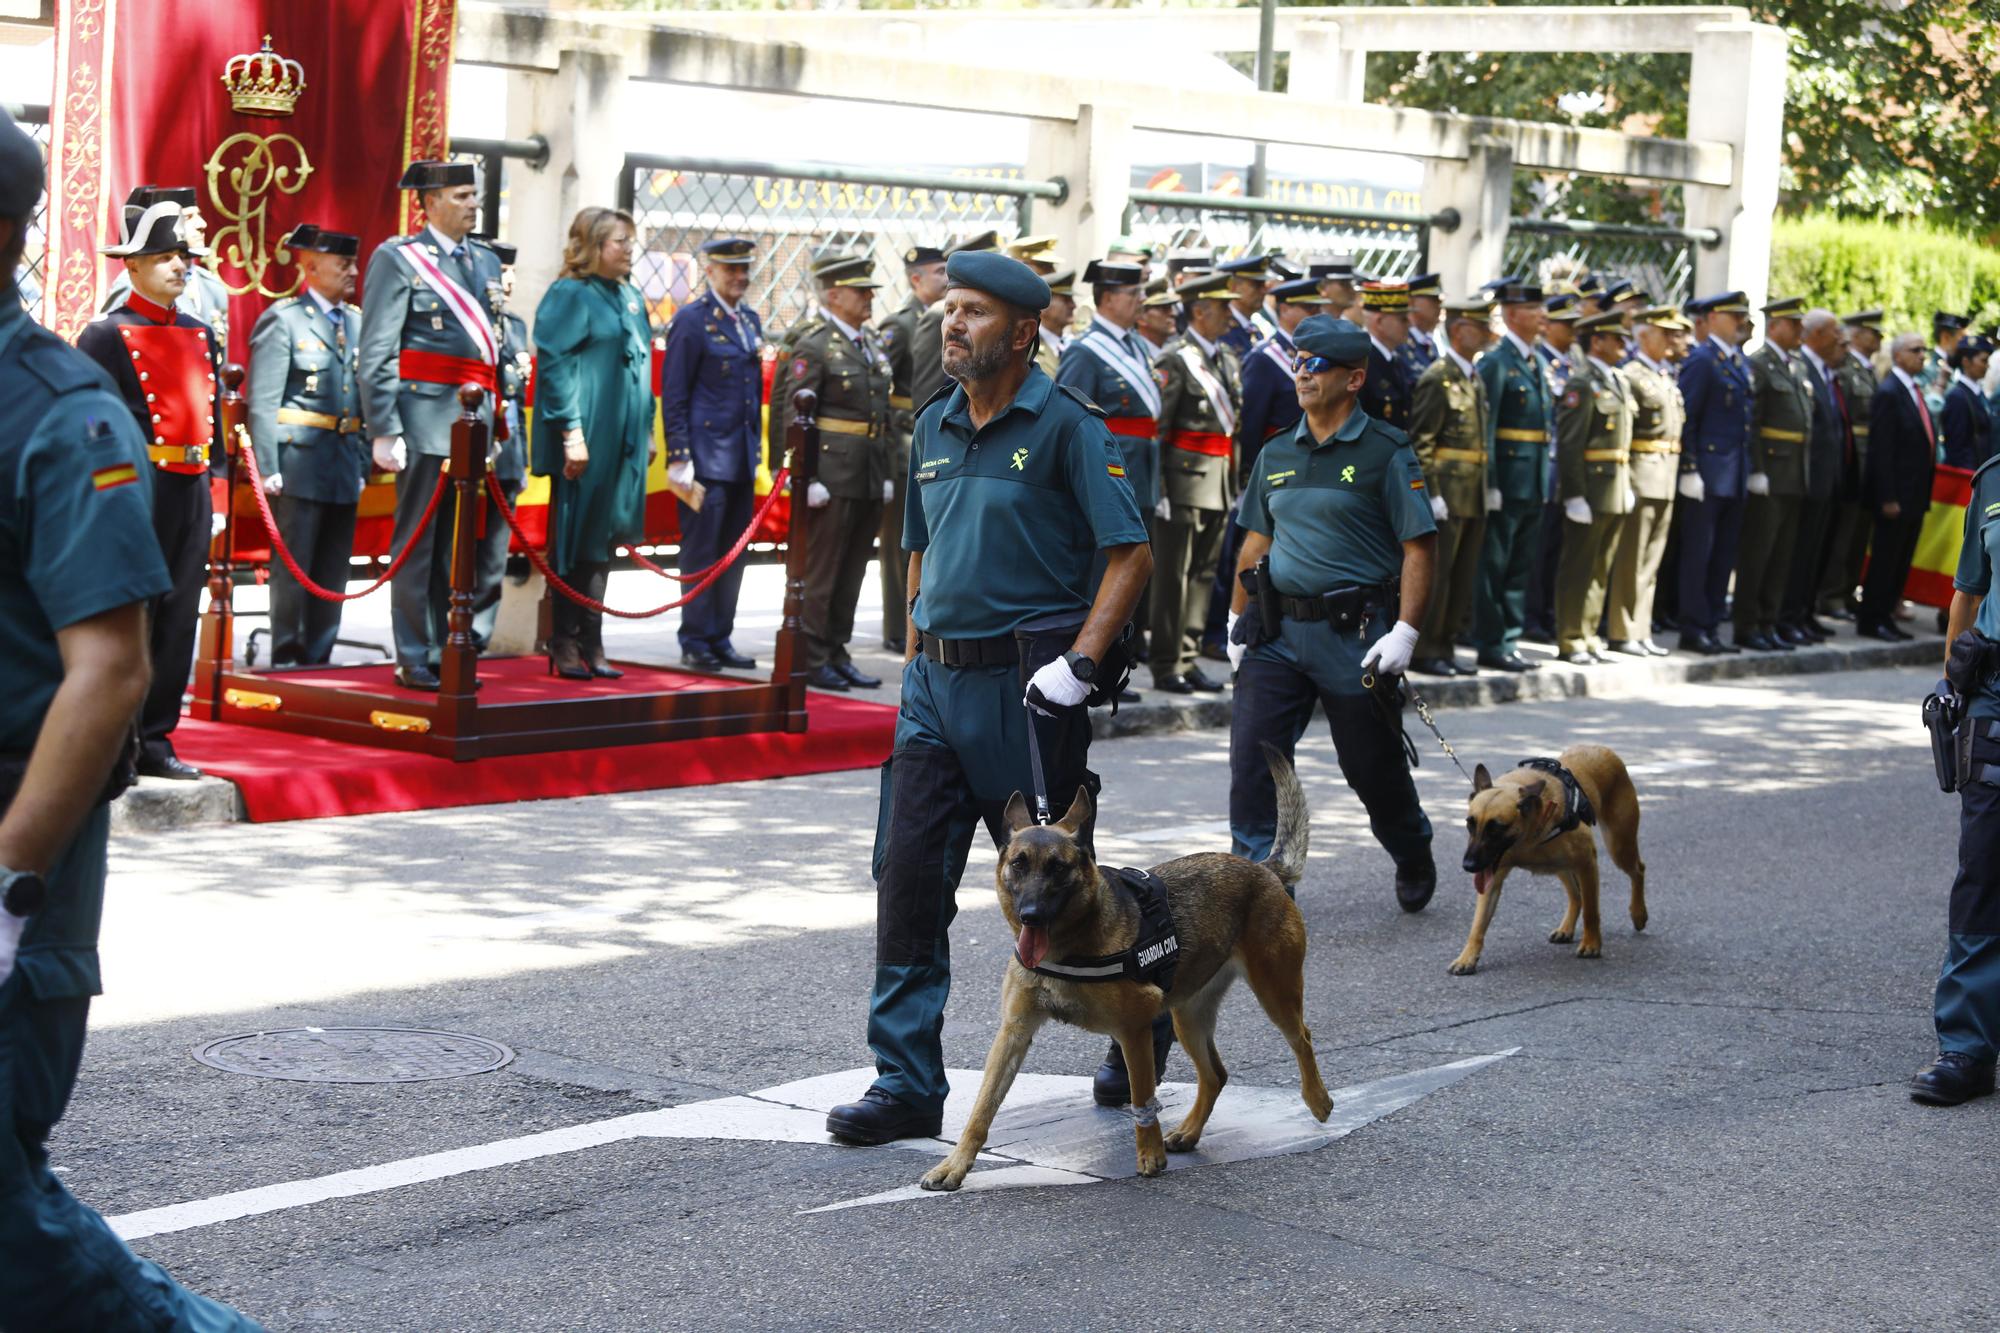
[1232,918]
[1513,824]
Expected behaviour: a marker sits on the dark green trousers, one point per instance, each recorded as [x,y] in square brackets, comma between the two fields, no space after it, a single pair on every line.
[1505,566]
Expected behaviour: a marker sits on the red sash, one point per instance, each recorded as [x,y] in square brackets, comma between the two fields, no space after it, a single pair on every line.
[440,368]
[1203,442]
[1133,428]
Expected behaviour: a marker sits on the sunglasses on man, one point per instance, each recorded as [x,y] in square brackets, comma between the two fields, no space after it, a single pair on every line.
[1316,365]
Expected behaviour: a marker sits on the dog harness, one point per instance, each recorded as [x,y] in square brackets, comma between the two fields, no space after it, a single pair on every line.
[1576,806]
[1152,957]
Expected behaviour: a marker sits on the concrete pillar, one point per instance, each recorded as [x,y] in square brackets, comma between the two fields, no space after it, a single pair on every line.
[1324,68]
[1094,154]
[1736,93]
[1481,188]
[578,108]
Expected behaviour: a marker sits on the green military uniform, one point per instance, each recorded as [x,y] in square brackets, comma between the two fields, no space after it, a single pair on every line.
[305,424]
[1201,398]
[1781,426]
[1448,414]
[897,333]
[1656,461]
[1517,435]
[1594,463]
[850,372]
[1848,546]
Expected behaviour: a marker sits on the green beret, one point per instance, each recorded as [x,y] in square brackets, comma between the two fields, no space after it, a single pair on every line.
[1340,341]
[997,275]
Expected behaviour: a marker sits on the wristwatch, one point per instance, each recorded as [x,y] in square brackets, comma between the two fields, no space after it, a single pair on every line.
[1080,666]
[22,892]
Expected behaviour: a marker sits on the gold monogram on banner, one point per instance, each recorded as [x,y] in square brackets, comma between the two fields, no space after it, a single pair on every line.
[247,172]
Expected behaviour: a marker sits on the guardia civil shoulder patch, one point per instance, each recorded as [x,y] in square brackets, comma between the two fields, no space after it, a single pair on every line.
[109,478]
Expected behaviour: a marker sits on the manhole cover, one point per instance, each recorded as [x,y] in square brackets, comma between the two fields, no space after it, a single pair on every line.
[354,1055]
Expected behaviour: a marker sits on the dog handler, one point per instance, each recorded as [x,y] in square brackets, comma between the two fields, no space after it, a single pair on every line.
[1015,486]
[1340,508]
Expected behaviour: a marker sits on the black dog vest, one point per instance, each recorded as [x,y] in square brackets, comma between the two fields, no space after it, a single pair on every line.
[1576,806]
[1152,957]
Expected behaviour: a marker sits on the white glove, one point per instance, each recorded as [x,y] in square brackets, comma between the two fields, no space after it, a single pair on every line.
[888,491]
[1690,485]
[1439,509]
[216,523]
[1759,483]
[1494,499]
[1164,510]
[274,484]
[817,496]
[1392,652]
[1057,685]
[1236,650]
[1631,499]
[681,474]
[1576,509]
[11,927]
[390,453]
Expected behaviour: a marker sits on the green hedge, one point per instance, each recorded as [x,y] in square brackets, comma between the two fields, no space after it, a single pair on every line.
[1908,268]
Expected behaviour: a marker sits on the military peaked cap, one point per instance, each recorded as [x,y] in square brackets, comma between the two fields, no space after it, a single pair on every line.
[922,254]
[1063,283]
[1514,291]
[1159,293]
[1340,341]
[1385,297]
[1210,286]
[1252,267]
[1000,276]
[1479,308]
[437,176]
[1944,320]
[977,243]
[1604,321]
[728,250]
[1864,319]
[1426,284]
[1564,307]
[1106,273]
[1299,291]
[846,271]
[1726,303]
[1786,307]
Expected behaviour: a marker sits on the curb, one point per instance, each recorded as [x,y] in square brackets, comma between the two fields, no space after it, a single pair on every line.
[158,804]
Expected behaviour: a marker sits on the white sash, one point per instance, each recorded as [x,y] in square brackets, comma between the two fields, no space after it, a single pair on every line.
[1100,343]
[1283,358]
[1218,396]
[455,297]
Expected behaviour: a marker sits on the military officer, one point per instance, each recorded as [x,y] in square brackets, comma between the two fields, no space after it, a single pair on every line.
[927,376]
[164,362]
[838,357]
[1517,437]
[1158,321]
[1249,277]
[206,295]
[1594,470]
[1847,546]
[1338,539]
[305,424]
[426,328]
[1112,366]
[1386,315]
[78,568]
[1828,446]
[1340,283]
[1656,449]
[1129,250]
[1420,349]
[923,270]
[1935,377]
[1777,480]
[1057,320]
[1560,356]
[1037,252]
[1201,395]
[711,407]
[1965,427]
[1014,492]
[1448,430]
[1717,385]
[510,452]
[1270,400]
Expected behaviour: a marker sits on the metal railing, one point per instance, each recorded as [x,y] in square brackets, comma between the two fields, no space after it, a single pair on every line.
[1383,243]
[490,156]
[32,273]
[1659,259]
[797,210]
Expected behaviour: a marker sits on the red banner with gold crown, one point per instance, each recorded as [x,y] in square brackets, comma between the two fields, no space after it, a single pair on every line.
[278,112]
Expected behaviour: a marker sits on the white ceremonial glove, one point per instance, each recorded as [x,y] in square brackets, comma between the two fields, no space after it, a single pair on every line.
[1057,686]
[888,491]
[1164,510]
[1576,509]
[1759,483]
[681,474]
[1236,650]
[1391,653]
[274,484]
[390,453]
[1631,498]
[1439,509]
[1690,485]
[1494,499]
[817,496]
[11,927]
[216,523]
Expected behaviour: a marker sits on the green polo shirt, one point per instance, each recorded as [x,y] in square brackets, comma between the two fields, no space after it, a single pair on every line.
[1978,559]
[1337,511]
[1010,518]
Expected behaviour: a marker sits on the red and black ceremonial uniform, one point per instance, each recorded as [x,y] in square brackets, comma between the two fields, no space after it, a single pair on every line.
[164,365]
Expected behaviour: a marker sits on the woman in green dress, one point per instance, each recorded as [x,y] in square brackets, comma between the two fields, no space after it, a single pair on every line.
[594,410]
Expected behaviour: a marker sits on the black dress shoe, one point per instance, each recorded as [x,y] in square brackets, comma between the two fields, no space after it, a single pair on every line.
[824,677]
[1795,636]
[1902,635]
[1201,682]
[1172,685]
[1112,1086]
[1950,1079]
[1702,643]
[701,659]
[856,678]
[1841,614]
[1215,649]
[1756,641]
[1511,662]
[1812,626]
[1464,670]
[895,646]
[1128,695]
[1729,649]
[167,766]
[1415,885]
[417,678]
[1880,633]
[880,1118]
[1433,666]
[735,661]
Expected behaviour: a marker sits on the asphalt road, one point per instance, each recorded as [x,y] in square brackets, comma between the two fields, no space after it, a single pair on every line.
[1706,1128]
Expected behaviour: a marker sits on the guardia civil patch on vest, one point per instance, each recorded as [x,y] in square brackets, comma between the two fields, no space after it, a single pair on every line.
[1153,957]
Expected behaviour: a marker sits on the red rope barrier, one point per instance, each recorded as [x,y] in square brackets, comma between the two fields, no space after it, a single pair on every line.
[714,572]
[249,456]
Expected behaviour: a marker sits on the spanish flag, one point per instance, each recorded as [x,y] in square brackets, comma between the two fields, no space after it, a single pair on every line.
[1114,469]
[1936,559]
[121,474]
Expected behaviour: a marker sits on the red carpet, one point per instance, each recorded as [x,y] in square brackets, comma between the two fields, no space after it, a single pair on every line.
[287,776]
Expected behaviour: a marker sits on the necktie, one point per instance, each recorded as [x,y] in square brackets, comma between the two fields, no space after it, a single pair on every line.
[459,257]
[1930,431]
[333,317]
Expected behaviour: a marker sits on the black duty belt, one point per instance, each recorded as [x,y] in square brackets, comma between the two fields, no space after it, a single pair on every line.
[1576,806]
[1153,957]
[1343,606]
[1000,650]
[14,767]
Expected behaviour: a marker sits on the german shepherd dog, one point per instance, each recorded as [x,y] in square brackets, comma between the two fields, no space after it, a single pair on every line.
[1233,918]
[1509,826]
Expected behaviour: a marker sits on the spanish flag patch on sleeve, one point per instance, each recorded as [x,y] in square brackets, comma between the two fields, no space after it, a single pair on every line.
[121,474]
[1115,469]
[1417,485]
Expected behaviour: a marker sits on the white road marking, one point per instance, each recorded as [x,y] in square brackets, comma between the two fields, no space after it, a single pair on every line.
[1049,1133]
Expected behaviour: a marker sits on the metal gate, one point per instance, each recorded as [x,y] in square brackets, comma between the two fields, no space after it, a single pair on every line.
[796,210]
[30,276]
[1383,245]
[1658,259]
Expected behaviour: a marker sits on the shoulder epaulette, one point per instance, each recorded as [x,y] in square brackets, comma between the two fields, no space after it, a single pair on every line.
[57,364]
[1088,406]
[1983,468]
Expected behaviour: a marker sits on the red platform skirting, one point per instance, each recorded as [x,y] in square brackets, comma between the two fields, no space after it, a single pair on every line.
[284,775]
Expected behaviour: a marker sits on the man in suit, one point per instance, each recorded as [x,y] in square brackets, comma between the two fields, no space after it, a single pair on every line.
[1847,544]
[1829,445]
[1517,437]
[1779,476]
[305,424]
[1594,478]
[1967,423]
[711,397]
[426,328]
[1385,395]
[1420,347]
[510,458]
[1448,415]
[1902,454]
[923,269]
[1717,388]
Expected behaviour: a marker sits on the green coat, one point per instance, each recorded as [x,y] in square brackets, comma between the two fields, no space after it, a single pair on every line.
[1656,430]
[1519,395]
[855,438]
[1189,477]
[401,312]
[299,365]
[1448,415]
[594,359]
[1783,421]
[1857,385]
[1594,440]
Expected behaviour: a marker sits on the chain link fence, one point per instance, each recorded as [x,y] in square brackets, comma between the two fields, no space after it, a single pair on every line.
[798,210]
[1660,260]
[1383,245]
[31,274]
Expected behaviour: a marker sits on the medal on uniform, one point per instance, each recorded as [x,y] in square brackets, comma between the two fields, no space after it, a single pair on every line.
[312,383]
[437,323]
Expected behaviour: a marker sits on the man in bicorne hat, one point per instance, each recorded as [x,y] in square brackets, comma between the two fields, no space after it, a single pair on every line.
[206,296]
[164,362]
[426,329]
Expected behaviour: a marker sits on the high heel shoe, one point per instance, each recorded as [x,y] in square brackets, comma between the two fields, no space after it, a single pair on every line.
[566,660]
[600,665]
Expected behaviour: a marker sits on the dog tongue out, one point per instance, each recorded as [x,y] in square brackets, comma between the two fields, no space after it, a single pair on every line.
[1479,881]
[1031,945]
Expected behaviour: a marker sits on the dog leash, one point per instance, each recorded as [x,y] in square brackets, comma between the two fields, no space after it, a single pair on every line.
[1035,766]
[1401,685]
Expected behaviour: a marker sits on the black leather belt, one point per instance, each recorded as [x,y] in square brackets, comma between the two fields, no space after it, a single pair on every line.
[999,651]
[1342,604]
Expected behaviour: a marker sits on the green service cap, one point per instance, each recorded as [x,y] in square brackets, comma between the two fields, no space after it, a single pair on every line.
[1340,341]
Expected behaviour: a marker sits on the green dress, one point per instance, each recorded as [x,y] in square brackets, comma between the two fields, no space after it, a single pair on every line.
[594,353]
